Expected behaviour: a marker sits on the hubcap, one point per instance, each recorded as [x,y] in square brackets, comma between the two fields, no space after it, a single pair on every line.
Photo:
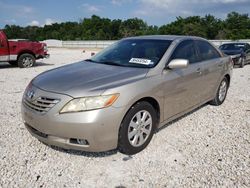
[27,62]
[139,128]
[223,90]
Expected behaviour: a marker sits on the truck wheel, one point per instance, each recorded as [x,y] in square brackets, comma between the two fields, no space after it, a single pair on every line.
[26,60]
[13,63]
[137,128]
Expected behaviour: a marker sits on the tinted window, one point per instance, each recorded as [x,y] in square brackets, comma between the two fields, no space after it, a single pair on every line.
[247,47]
[133,53]
[206,51]
[185,50]
[231,46]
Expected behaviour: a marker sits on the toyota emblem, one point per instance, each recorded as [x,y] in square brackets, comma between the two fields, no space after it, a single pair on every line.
[30,94]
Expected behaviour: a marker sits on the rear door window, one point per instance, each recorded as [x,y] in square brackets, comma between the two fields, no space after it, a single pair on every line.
[206,51]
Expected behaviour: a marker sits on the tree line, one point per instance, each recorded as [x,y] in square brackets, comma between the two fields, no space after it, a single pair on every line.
[234,26]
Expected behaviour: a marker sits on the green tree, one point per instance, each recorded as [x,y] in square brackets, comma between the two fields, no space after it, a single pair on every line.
[133,27]
[235,26]
[212,26]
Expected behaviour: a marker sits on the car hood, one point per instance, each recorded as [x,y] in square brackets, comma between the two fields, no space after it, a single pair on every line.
[87,78]
[232,52]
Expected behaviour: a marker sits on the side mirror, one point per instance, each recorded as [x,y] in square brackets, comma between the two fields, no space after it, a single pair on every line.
[178,64]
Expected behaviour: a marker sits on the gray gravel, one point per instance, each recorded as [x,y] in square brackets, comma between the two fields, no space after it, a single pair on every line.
[209,147]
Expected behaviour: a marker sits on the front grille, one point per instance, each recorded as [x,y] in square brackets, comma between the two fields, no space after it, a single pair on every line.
[41,104]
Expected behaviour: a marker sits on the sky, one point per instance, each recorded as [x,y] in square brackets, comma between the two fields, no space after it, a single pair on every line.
[154,12]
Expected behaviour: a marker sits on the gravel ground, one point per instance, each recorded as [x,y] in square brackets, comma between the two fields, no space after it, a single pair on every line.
[209,147]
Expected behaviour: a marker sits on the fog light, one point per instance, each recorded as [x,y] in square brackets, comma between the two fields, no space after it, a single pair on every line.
[79,141]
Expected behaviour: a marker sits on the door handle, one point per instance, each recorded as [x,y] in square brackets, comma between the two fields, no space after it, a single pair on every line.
[199,71]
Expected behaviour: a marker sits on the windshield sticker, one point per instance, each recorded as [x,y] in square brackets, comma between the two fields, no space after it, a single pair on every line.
[141,61]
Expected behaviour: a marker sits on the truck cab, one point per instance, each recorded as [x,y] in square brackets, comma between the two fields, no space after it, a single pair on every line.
[22,53]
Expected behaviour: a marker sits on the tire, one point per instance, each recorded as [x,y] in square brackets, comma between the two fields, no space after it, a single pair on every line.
[221,93]
[13,63]
[140,134]
[242,62]
[26,60]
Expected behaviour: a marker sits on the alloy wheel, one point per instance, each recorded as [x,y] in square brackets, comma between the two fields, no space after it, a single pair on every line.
[223,90]
[139,128]
[27,62]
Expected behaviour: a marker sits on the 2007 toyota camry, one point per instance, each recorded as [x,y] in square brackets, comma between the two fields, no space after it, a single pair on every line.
[119,97]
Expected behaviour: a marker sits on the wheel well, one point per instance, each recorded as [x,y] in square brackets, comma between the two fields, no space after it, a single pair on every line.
[228,78]
[154,103]
[25,52]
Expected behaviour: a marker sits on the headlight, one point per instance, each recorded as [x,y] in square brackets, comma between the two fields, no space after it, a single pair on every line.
[89,103]
[45,48]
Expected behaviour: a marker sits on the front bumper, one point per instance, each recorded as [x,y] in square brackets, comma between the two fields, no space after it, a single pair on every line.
[98,127]
[46,55]
[42,56]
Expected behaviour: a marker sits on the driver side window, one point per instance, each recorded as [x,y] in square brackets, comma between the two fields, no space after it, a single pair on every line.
[185,50]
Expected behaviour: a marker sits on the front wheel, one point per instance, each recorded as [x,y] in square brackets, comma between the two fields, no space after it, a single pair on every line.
[137,128]
[221,93]
[26,60]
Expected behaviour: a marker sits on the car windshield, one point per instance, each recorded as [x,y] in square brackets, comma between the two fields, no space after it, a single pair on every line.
[144,53]
[233,46]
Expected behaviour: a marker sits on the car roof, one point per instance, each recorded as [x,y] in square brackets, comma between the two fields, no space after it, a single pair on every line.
[165,37]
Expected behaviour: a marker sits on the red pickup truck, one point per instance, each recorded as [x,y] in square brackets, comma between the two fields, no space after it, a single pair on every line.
[21,52]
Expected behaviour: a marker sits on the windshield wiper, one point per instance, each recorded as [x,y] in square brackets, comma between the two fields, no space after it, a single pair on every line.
[90,60]
[105,62]
[111,63]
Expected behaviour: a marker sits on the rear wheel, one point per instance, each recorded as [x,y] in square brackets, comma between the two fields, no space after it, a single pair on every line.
[137,128]
[221,93]
[26,60]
